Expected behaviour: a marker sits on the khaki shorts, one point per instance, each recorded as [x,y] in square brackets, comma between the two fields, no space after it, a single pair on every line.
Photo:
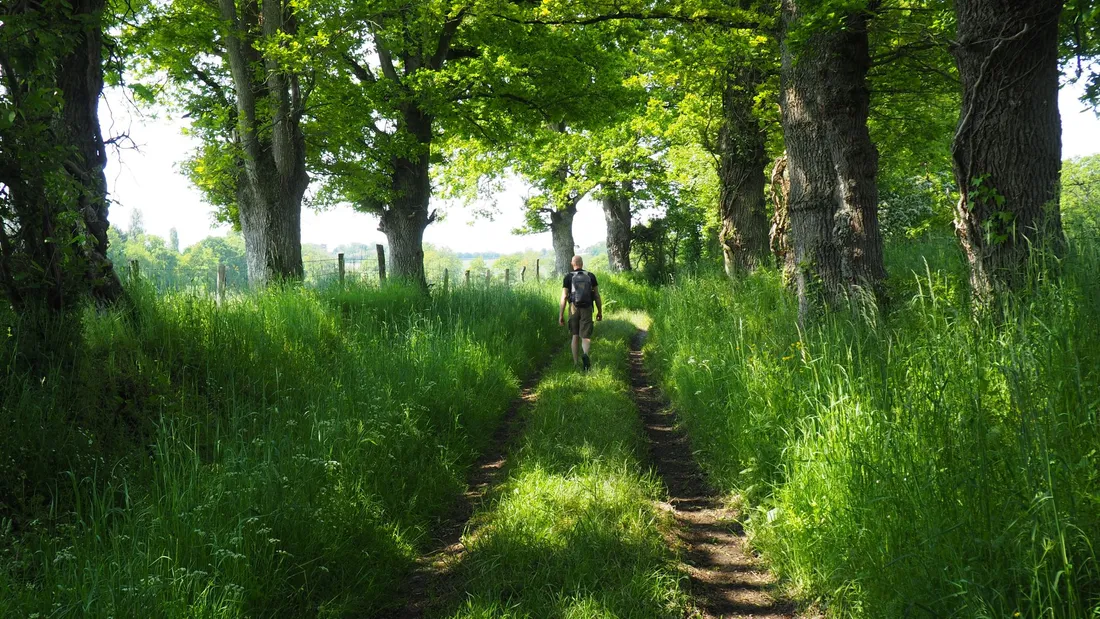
[580,322]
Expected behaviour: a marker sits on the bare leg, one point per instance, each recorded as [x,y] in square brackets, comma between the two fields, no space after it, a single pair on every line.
[576,352]
[586,345]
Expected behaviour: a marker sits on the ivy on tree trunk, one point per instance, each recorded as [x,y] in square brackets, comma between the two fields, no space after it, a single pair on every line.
[53,193]
[1007,148]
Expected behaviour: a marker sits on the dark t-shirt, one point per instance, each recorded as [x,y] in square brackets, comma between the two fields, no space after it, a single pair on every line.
[567,282]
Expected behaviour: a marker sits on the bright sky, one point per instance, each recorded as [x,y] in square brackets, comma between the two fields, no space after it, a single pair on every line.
[149,179]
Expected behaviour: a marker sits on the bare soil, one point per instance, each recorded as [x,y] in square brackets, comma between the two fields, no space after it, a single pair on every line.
[726,578]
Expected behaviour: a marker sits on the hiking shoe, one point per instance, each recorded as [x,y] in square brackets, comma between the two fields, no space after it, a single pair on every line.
[586,362]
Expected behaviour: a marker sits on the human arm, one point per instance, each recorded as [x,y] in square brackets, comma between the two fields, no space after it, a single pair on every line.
[564,302]
[599,302]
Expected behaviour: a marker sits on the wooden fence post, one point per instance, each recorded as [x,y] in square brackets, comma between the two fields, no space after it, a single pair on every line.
[135,270]
[220,285]
[381,263]
[340,268]
[446,279]
[538,275]
[523,274]
[467,277]
[488,275]
[507,277]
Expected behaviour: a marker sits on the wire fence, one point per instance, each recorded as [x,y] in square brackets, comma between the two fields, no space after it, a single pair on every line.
[317,273]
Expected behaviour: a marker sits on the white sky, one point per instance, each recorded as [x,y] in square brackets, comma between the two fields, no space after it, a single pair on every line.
[149,179]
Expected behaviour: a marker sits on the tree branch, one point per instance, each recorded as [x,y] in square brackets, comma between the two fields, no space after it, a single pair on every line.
[362,73]
[903,51]
[631,15]
[212,84]
[385,59]
[450,28]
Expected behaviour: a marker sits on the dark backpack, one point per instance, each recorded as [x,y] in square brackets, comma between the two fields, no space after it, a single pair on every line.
[582,289]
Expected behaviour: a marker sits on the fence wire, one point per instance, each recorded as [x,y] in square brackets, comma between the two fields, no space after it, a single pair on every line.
[317,273]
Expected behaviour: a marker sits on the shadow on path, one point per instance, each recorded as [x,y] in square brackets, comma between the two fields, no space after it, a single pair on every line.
[726,579]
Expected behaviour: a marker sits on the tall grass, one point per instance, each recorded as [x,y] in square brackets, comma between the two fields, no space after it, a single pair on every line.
[929,462]
[280,456]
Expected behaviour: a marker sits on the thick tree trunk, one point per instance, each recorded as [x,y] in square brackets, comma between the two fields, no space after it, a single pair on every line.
[81,82]
[53,247]
[273,178]
[855,158]
[1007,149]
[741,162]
[780,234]
[616,210]
[812,205]
[271,223]
[405,219]
[561,231]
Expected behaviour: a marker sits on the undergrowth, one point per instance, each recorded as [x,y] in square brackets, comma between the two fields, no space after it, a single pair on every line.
[283,455]
[929,462]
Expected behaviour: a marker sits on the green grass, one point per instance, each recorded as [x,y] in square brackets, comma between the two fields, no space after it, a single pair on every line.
[574,531]
[929,462]
[281,456]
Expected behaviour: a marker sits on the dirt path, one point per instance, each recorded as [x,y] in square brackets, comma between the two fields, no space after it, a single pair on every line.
[726,579]
[430,584]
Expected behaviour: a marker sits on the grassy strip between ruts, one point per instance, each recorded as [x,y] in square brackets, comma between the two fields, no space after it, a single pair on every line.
[574,530]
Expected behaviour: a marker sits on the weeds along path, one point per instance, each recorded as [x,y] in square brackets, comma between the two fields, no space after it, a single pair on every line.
[726,579]
[574,530]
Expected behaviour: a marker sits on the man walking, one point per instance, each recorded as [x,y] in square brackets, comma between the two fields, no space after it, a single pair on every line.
[580,291]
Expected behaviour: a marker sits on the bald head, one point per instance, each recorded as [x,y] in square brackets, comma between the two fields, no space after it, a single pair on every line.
[578,262]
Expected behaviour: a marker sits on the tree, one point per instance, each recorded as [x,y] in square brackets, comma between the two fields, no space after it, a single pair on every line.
[236,70]
[742,157]
[137,224]
[272,177]
[174,240]
[833,202]
[423,73]
[53,194]
[1007,54]
[810,204]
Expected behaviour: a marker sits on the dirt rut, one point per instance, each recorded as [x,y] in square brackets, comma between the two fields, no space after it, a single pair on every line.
[726,579]
[431,584]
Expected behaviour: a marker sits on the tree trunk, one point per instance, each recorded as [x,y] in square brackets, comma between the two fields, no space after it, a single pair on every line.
[405,219]
[1007,148]
[271,223]
[812,204]
[779,235]
[81,82]
[741,162]
[561,230]
[273,178]
[616,210]
[56,207]
[855,158]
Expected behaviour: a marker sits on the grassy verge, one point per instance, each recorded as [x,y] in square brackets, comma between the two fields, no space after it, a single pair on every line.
[573,532]
[281,456]
[923,463]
